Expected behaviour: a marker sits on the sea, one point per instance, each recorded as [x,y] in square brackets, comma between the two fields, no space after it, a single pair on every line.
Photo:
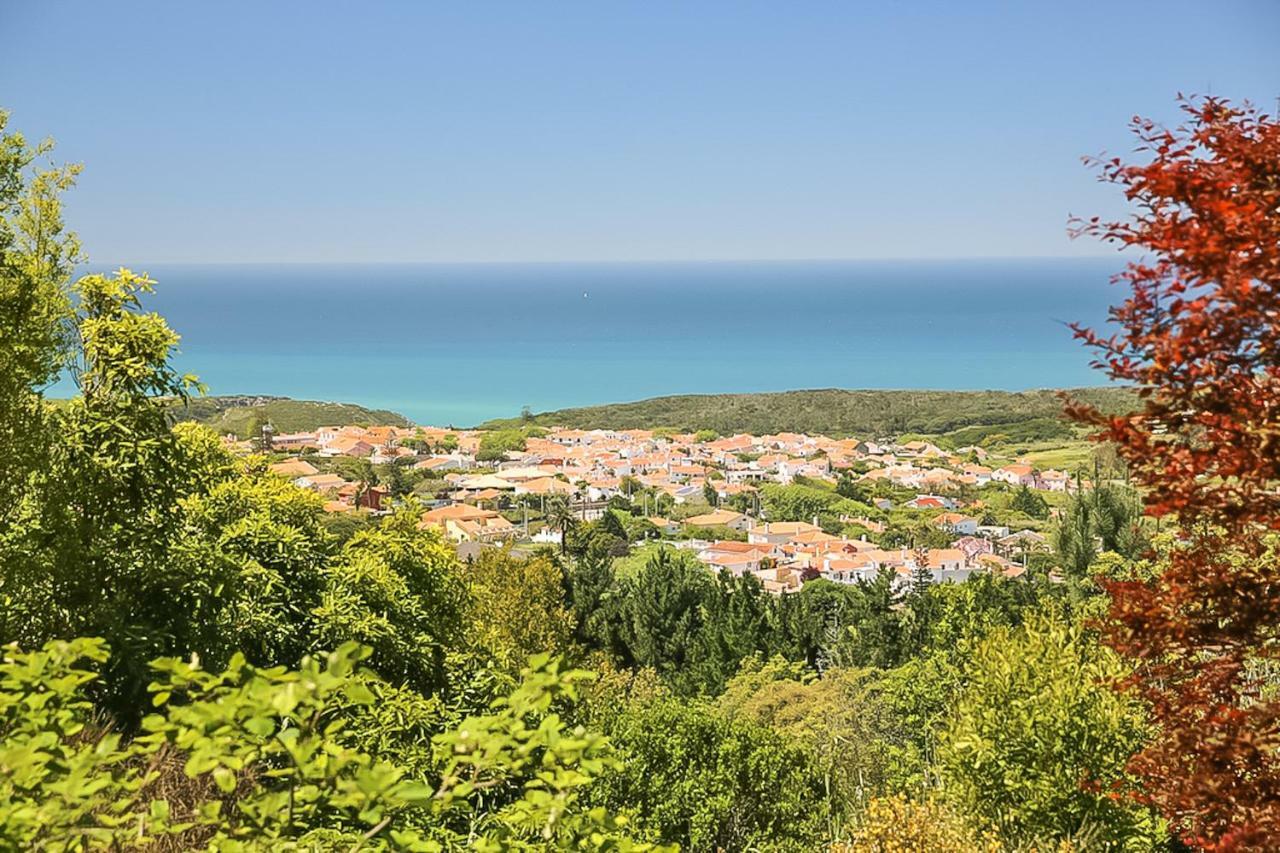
[458,344]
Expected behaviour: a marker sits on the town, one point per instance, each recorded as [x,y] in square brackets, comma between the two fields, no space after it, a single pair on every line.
[786,508]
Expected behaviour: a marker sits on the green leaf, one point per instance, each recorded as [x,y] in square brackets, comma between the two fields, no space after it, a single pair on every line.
[360,694]
[415,792]
[260,726]
[224,779]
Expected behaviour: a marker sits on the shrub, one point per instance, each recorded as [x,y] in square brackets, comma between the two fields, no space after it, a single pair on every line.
[270,756]
[708,783]
[899,825]
[1037,740]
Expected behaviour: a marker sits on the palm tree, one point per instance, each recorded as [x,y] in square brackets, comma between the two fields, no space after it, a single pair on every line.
[365,480]
[560,517]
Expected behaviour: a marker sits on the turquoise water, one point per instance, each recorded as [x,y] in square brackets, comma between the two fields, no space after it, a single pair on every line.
[460,343]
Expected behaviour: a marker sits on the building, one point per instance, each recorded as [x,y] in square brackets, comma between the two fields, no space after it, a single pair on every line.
[954,522]
[1015,475]
[322,483]
[293,469]
[720,518]
[777,532]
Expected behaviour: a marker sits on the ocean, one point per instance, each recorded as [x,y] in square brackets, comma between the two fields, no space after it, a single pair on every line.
[461,343]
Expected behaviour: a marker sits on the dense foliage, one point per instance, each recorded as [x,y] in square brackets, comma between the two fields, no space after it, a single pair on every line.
[262,759]
[1198,334]
[1039,740]
[495,444]
[841,413]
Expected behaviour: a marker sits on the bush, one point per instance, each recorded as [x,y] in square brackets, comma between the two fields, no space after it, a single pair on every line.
[495,445]
[267,750]
[1037,741]
[697,779]
[899,825]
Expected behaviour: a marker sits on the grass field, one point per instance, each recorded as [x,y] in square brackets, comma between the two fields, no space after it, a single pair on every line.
[1067,457]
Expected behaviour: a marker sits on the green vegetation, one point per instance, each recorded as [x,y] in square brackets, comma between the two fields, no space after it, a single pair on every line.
[1011,432]
[683,775]
[244,417]
[1036,716]
[195,657]
[496,444]
[630,565]
[1106,518]
[1029,503]
[271,762]
[1063,456]
[800,502]
[839,413]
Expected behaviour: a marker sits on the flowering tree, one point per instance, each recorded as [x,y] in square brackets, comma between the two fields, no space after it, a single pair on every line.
[1199,337]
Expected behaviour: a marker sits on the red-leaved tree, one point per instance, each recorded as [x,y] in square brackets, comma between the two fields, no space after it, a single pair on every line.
[1199,337]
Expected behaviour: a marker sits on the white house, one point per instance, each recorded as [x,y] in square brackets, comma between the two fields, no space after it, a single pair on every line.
[1015,475]
[953,522]
[1053,481]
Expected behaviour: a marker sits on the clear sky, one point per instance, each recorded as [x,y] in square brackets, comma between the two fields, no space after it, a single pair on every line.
[327,131]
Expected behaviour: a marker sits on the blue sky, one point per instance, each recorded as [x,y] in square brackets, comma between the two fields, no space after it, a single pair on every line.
[326,131]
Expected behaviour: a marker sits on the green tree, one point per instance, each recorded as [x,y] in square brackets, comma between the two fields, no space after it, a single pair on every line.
[738,624]
[250,557]
[848,486]
[517,607]
[37,258]
[398,590]
[496,444]
[1038,739]
[962,612]
[662,612]
[591,597]
[1105,518]
[796,503]
[1029,502]
[838,717]
[395,478]
[639,529]
[561,517]
[708,783]
[866,626]
[266,763]
[918,698]
[86,550]
[830,624]
[611,523]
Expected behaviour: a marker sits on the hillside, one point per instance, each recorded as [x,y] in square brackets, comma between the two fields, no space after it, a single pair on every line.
[244,415]
[833,412]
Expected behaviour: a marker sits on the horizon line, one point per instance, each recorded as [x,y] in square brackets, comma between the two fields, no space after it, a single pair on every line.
[617,261]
